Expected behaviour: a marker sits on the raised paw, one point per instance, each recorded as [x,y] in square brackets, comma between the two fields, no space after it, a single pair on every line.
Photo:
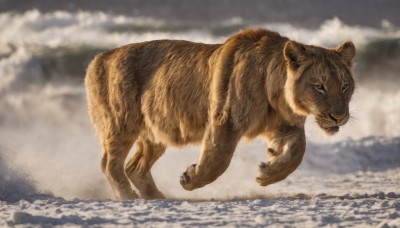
[266,176]
[186,179]
[263,178]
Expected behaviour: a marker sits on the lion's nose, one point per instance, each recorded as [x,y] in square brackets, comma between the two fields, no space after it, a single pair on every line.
[337,117]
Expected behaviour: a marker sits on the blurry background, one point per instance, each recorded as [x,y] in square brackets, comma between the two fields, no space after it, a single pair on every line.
[47,144]
[308,13]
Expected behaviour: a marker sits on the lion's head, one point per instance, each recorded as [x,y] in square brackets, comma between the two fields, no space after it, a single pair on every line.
[320,82]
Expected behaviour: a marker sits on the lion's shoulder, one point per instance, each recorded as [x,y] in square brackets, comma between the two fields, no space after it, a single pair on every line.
[255,35]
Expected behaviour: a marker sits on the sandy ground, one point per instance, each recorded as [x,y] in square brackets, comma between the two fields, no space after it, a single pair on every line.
[377,210]
[361,204]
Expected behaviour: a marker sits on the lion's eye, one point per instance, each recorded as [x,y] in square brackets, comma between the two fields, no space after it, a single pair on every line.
[345,87]
[320,88]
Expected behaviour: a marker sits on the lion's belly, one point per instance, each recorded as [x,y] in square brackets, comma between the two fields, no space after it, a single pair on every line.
[174,133]
[175,126]
[176,114]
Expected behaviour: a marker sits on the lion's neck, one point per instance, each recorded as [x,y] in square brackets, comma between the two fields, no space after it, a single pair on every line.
[276,80]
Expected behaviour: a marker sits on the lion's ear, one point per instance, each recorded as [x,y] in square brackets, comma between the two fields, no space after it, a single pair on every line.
[295,54]
[347,51]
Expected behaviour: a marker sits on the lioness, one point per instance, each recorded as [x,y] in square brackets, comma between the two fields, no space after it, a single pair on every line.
[172,92]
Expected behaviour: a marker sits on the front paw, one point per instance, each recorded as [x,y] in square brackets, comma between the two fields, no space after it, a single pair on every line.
[263,177]
[186,179]
[266,176]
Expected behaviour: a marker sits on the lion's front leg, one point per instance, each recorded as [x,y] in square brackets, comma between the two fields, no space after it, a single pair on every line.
[219,144]
[286,152]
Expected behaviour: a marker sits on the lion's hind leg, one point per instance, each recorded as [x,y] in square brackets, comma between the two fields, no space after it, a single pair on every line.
[138,168]
[115,111]
[115,151]
[116,143]
[117,136]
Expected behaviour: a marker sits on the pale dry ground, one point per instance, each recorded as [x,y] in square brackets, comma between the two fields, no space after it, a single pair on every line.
[368,199]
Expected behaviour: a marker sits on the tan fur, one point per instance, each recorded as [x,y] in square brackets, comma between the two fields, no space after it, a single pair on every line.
[171,93]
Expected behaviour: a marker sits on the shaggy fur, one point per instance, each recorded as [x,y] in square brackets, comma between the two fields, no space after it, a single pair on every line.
[170,93]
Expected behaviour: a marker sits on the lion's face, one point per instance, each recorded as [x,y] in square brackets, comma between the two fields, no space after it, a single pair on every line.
[320,82]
